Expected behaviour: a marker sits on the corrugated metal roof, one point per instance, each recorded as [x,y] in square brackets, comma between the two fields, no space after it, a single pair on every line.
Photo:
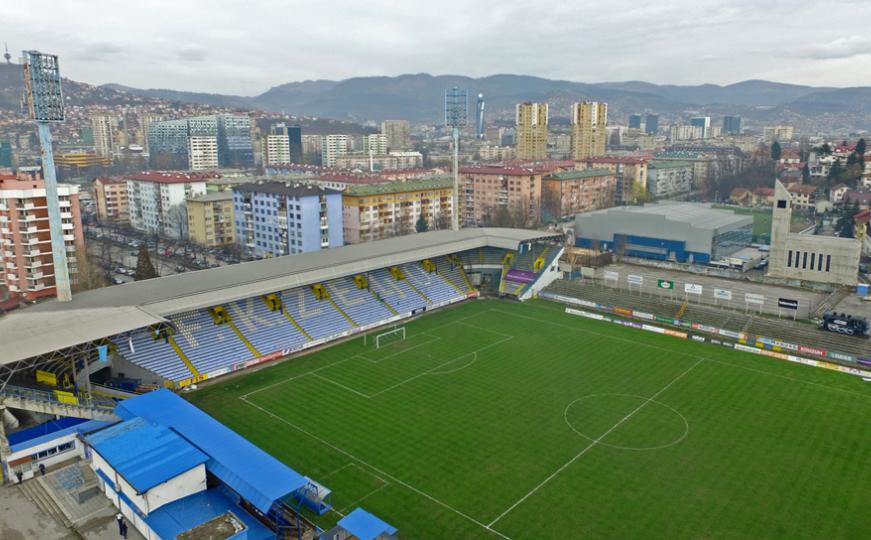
[145,454]
[100,313]
[251,472]
[364,525]
[70,426]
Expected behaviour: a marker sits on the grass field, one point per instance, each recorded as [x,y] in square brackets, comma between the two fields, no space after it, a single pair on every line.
[503,420]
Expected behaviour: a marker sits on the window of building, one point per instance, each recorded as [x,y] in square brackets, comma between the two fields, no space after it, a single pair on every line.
[828,262]
[804,261]
[813,259]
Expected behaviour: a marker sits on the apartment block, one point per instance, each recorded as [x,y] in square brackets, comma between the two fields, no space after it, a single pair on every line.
[669,178]
[487,189]
[202,153]
[333,146]
[26,260]
[630,173]
[567,193]
[211,219]
[277,218]
[377,211]
[156,201]
[110,197]
[531,130]
[589,129]
[277,150]
[169,141]
[104,127]
[398,133]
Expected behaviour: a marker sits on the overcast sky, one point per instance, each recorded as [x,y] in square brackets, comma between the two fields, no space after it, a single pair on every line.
[246,46]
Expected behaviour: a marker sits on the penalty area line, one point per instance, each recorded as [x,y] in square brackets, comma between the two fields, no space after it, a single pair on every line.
[376,469]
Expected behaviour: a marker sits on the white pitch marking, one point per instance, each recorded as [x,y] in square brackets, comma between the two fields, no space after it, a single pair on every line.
[594,443]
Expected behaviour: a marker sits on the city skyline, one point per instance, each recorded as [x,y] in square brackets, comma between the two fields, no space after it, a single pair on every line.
[228,51]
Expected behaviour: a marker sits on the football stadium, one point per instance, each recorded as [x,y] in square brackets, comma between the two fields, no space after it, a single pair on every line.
[433,386]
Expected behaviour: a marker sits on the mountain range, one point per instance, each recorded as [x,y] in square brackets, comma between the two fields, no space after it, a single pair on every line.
[419,98]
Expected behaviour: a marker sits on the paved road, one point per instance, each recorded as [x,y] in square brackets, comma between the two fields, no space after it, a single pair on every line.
[20,519]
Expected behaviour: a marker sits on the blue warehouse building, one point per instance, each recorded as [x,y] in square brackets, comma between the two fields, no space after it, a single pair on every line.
[667,231]
[277,218]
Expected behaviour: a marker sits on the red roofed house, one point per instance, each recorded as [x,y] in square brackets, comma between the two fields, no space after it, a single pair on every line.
[838,193]
[763,195]
[741,196]
[803,196]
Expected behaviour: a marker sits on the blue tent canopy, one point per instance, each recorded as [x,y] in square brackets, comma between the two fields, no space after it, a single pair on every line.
[249,471]
[364,525]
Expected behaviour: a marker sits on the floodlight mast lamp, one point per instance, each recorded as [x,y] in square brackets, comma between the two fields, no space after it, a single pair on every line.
[456,117]
[42,86]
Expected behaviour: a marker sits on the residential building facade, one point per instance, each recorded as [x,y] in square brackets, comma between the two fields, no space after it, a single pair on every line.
[777,133]
[169,141]
[333,146]
[488,190]
[210,219]
[26,260]
[104,127]
[156,201]
[377,211]
[277,218]
[630,174]
[398,133]
[110,198]
[589,129]
[203,153]
[531,130]
[669,178]
[566,193]
[277,150]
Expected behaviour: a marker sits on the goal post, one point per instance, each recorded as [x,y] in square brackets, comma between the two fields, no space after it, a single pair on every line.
[385,338]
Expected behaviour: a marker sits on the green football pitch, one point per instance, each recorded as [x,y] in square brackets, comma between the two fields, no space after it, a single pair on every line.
[496,419]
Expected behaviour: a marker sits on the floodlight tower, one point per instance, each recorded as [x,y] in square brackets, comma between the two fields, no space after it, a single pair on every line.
[42,87]
[456,117]
[479,117]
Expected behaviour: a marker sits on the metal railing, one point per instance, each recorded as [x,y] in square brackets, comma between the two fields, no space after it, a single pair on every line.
[83,400]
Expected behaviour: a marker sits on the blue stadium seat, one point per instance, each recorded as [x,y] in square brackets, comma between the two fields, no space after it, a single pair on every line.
[318,317]
[156,356]
[207,345]
[358,303]
[431,284]
[396,292]
[268,331]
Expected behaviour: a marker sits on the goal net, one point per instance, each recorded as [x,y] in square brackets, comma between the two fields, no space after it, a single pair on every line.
[385,338]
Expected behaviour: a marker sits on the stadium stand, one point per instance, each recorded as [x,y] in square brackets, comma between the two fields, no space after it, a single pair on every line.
[266,330]
[318,317]
[453,274]
[155,355]
[430,283]
[358,303]
[224,319]
[207,345]
[396,292]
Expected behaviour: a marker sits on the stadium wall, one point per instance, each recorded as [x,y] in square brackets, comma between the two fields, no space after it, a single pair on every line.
[737,340]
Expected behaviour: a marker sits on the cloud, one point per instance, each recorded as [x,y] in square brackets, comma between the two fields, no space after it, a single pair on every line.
[98,52]
[843,47]
[192,52]
[244,48]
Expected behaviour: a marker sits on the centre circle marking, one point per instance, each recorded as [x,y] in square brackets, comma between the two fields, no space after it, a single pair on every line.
[645,402]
